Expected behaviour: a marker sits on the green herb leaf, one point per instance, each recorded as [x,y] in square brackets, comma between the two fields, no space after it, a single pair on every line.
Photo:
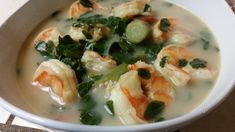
[87,34]
[147,8]
[182,62]
[117,24]
[164,61]
[84,88]
[69,48]
[109,105]
[90,118]
[144,73]
[76,65]
[86,3]
[206,43]
[68,51]
[198,63]
[46,49]
[153,51]
[124,44]
[205,39]
[153,109]
[164,25]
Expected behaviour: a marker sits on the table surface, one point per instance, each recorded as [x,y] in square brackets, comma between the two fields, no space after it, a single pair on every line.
[222,119]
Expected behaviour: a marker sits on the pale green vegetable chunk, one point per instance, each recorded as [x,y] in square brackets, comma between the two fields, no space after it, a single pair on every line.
[137,31]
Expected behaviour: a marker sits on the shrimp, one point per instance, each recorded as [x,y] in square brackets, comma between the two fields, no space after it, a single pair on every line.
[179,37]
[200,74]
[179,76]
[157,87]
[171,71]
[51,34]
[95,63]
[174,33]
[77,9]
[129,102]
[130,9]
[57,78]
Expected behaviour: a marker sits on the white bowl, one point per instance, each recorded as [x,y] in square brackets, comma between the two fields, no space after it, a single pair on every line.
[216,14]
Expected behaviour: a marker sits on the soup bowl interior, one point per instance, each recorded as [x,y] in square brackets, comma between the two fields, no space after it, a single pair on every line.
[16,29]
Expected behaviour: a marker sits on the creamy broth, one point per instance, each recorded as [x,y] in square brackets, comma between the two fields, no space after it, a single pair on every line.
[186,98]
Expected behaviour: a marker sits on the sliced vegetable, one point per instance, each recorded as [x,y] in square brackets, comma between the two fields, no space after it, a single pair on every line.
[164,61]
[164,25]
[109,106]
[137,31]
[113,75]
[144,73]
[153,109]
[90,118]
[198,63]
[122,57]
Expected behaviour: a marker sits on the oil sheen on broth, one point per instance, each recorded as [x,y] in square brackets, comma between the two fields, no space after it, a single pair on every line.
[185,69]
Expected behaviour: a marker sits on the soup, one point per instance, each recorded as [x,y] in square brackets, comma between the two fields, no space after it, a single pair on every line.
[120,62]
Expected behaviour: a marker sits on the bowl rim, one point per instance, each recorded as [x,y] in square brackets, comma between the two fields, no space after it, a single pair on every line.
[193,115]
